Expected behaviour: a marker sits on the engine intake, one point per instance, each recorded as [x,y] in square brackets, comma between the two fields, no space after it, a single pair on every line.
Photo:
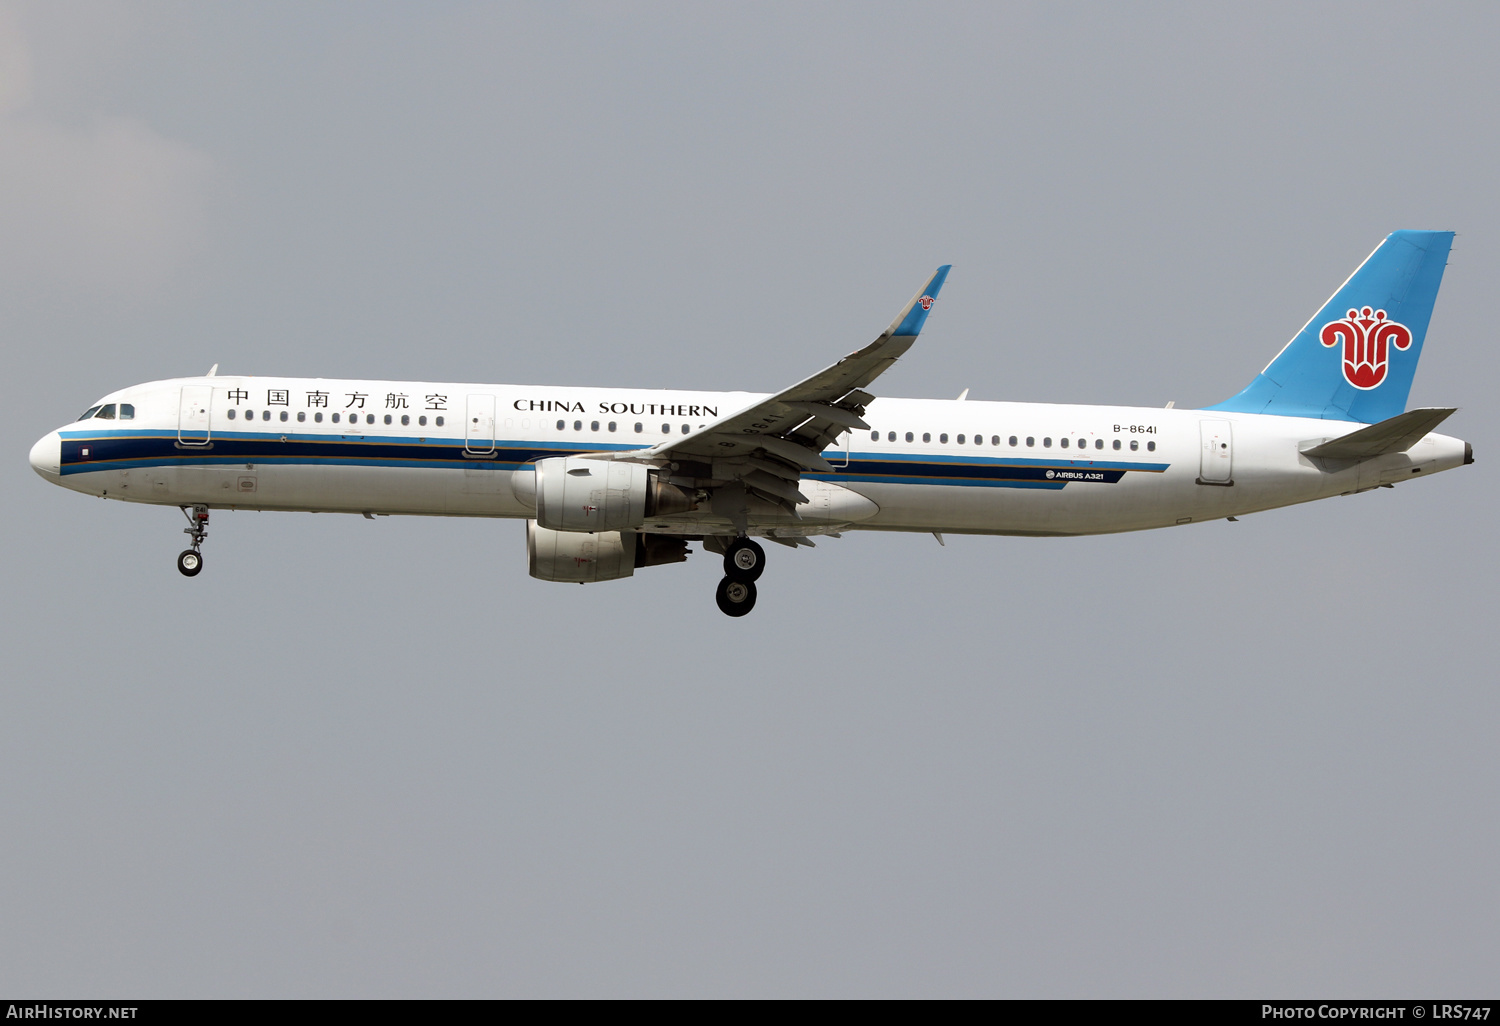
[572,493]
[580,557]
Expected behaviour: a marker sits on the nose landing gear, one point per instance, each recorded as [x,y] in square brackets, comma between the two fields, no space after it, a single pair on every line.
[744,562]
[190,561]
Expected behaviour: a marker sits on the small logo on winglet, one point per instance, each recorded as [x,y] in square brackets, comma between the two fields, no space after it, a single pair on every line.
[925,302]
[1366,336]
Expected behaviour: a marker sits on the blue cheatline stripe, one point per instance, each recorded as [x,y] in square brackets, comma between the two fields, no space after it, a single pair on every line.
[955,482]
[1056,462]
[121,451]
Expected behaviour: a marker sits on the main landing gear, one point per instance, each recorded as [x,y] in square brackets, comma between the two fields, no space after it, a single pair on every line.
[743,564]
[190,561]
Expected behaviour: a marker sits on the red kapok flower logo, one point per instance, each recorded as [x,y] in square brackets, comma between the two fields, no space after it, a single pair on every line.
[1366,337]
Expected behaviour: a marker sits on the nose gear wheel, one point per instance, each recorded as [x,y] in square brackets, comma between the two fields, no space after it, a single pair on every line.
[190,561]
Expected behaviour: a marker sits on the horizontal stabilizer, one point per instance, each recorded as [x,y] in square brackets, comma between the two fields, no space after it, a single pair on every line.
[1397,434]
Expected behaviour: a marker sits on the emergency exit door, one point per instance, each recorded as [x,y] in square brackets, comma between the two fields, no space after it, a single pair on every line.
[1216,465]
[479,425]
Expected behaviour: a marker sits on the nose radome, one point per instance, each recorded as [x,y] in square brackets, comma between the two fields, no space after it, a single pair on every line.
[46,455]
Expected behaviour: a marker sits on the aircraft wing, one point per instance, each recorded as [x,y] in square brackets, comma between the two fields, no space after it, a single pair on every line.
[768,444]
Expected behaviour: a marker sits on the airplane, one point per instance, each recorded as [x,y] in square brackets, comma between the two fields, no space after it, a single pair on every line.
[612,480]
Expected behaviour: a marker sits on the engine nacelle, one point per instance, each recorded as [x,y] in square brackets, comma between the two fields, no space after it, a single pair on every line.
[571,493]
[583,557]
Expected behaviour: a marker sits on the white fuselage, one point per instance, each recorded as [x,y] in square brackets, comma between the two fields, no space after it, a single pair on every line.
[924,465]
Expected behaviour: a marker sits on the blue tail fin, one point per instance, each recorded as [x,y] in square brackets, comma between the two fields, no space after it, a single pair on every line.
[1356,358]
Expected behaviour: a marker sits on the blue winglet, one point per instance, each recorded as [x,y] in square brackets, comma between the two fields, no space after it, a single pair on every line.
[912,316]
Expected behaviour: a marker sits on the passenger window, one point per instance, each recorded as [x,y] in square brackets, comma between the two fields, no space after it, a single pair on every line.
[90,412]
[107,412]
[1134,445]
[995,440]
[908,436]
[1030,441]
[265,414]
[578,425]
[1063,442]
[1046,443]
[318,417]
[926,437]
[890,436]
[684,429]
[560,424]
[666,429]
[1117,445]
[405,419]
[611,425]
[874,436]
[943,438]
[978,439]
[1012,439]
[1098,443]
[960,439]
[231,414]
[639,427]
[438,421]
[387,417]
[284,416]
[370,418]
[594,425]
[301,416]
[335,418]
[127,411]
[1150,446]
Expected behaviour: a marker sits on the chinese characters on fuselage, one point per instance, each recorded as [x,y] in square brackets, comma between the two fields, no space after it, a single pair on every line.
[356,400]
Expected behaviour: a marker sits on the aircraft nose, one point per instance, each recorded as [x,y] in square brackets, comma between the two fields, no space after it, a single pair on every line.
[46,455]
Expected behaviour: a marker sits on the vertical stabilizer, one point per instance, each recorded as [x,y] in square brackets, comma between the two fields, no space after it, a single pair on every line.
[1356,358]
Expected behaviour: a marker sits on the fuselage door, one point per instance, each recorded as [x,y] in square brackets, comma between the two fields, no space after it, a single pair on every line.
[479,425]
[1217,464]
[839,457]
[192,414]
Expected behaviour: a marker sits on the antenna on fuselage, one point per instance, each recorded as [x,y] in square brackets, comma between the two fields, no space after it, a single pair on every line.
[212,371]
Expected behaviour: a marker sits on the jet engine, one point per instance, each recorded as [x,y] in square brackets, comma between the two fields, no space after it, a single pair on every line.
[582,557]
[571,493]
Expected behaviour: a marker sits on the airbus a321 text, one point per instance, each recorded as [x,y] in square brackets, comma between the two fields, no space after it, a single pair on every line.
[610,480]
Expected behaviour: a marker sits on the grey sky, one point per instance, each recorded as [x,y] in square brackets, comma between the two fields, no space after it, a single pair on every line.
[377,759]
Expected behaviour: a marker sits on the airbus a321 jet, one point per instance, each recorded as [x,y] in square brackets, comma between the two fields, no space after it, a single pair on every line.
[610,480]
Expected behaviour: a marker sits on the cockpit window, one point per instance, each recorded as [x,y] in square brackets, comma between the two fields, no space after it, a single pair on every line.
[90,412]
[107,413]
[127,411]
